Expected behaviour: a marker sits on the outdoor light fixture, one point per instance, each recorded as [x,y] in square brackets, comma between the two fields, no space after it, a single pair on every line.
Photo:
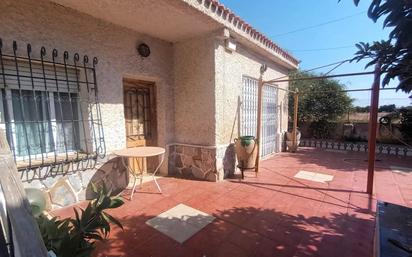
[263,68]
[143,50]
[230,45]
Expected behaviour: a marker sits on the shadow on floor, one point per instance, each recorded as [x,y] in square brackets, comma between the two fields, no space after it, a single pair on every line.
[348,162]
[249,231]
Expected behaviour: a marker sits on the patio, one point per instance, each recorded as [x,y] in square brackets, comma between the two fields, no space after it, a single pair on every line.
[274,214]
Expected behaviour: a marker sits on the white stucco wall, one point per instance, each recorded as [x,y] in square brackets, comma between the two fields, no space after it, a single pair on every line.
[198,82]
[42,23]
[230,67]
[194,79]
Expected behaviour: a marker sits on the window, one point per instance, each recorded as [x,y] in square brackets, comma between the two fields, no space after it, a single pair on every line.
[270,113]
[49,110]
[36,127]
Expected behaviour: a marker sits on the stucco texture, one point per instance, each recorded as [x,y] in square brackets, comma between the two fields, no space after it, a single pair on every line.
[42,23]
[194,77]
[198,82]
[230,68]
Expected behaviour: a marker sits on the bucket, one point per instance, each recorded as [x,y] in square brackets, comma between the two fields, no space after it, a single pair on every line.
[246,151]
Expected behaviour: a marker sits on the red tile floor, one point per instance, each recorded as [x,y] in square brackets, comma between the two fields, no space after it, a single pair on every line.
[273,214]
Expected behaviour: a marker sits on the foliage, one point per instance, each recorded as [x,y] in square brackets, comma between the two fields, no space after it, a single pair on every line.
[387,108]
[395,53]
[361,109]
[382,108]
[406,123]
[76,237]
[319,100]
[322,129]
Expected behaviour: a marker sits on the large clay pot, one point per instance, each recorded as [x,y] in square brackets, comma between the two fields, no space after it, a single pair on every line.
[289,141]
[246,151]
[289,135]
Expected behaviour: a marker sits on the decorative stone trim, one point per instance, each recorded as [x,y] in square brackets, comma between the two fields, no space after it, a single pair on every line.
[193,162]
[70,186]
[211,163]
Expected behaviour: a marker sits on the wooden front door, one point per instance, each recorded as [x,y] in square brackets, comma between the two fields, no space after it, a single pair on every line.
[140,116]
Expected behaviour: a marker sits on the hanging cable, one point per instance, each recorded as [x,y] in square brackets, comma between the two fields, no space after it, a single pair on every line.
[316,68]
[323,49]
[318,25]
[334,68]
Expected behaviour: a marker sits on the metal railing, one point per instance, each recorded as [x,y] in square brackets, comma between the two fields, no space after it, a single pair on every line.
[397,150]
[49,108]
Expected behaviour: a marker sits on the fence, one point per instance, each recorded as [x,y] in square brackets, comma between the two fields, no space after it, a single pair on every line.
[400,151]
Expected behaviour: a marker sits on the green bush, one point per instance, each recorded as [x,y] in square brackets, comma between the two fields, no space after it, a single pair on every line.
[76,237]
[323,129]
[406,123]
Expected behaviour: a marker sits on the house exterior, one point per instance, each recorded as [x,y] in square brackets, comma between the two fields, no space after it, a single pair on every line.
[180,74]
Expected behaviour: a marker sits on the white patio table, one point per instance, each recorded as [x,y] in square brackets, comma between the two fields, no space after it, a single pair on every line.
[141,152]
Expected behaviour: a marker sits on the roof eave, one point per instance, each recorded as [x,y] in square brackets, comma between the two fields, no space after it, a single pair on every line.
[235,24]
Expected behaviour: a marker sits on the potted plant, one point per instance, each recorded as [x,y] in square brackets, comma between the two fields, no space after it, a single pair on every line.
[289,140]
[76,237]
[246,151]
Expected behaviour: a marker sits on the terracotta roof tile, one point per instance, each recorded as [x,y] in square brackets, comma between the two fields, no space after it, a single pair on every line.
[247,28]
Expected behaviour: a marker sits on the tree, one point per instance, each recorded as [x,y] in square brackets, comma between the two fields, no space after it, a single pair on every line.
[361,108]
[387,108]
[322,99]
[321,102]
[395,53]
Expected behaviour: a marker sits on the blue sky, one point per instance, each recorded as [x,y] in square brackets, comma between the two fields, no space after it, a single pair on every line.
[275,18]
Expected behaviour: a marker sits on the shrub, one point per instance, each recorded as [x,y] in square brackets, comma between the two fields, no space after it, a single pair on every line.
[76,237]
[323,129]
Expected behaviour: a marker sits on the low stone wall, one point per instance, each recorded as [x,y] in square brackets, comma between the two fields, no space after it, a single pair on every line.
[69,183]
[193,162]
[201,162]
[397,150]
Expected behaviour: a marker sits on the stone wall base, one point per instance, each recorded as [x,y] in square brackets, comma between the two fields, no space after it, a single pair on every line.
[67,184]
[193,162]
[200,162]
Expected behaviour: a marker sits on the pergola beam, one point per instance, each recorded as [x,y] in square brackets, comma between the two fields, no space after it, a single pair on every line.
[322,77]
[373,118]
[373,124]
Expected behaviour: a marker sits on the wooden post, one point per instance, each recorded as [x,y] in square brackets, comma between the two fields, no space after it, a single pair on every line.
[27,240]
[373,123]
[259,116]
[295,121]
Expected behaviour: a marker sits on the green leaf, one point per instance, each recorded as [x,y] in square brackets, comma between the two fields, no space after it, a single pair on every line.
[116,202]
[113,220]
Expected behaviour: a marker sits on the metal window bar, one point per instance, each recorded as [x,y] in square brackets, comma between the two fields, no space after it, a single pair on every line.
[50,109]
[269,113]
[269,119]
[138,110]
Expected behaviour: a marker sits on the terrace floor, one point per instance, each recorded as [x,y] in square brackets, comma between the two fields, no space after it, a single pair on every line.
[273,214]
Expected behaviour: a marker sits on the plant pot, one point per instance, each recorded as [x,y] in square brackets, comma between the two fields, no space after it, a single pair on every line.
[289,141]
[289,136]
[290,146]
[246,151]
[36,200]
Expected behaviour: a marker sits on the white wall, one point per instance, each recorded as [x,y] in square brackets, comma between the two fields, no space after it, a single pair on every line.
[194,79]
[42,23]
[230,67]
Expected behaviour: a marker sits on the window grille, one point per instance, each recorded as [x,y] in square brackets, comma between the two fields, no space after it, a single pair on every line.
[137,112]
[50,108]
[270,112]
